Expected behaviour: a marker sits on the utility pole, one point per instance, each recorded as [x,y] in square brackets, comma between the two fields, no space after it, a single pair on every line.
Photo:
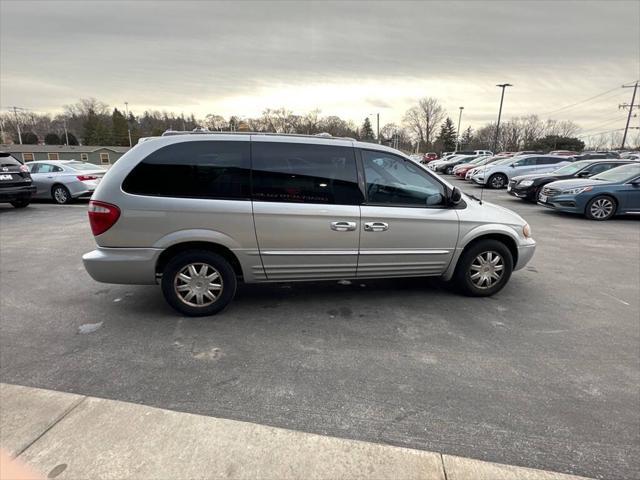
[126,109]
[633,99]
[15,114]
[458,132]
[495,142]
[66,134]
[378,127]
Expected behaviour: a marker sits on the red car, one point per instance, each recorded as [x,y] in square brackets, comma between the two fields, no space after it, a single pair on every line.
[429,157]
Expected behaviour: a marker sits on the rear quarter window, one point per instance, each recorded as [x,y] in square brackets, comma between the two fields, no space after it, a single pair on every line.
[9,161]
[199,169]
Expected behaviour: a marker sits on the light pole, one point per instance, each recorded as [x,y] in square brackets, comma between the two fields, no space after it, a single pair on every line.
[66,134]
[458,132]
[495,142]
[126,109]
[377,126]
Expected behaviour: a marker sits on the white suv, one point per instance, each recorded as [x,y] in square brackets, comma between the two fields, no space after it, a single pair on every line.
[497,175]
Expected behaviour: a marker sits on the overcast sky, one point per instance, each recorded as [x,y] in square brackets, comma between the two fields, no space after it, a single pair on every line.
[349,59]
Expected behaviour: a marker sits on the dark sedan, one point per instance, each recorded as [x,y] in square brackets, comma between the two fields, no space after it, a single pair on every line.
[528,187]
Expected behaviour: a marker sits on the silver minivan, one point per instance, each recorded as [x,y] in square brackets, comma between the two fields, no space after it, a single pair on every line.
[198,212]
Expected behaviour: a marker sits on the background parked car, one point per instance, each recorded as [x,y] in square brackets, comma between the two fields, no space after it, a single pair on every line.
[614,192]
[447,167]
[461,169]
[497,175]
[528,187]
[16,186]
[64,180]
[564,153]
[596,155]
[428,157]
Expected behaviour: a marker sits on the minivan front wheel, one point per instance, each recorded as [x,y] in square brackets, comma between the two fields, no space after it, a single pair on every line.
[198,283]
[484,268]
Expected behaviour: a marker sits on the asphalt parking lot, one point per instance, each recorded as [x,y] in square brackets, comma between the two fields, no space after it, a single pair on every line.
[545,374]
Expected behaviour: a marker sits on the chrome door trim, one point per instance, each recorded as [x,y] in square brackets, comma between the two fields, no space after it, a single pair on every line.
[376,227]
[404,252]
[309,252]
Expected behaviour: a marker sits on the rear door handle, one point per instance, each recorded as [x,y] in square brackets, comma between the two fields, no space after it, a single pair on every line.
[343,226]
[376,227]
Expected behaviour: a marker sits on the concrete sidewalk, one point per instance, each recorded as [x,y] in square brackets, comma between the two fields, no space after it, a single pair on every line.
[72,436]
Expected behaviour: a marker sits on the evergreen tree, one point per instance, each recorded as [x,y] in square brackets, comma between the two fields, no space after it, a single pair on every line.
[96,131]
[366,132]
[52,139]
[467,138]
[73,140]
[447,137]
[29,138]
[120,132]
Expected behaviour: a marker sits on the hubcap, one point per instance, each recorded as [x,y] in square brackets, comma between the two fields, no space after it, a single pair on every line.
[601,208]
[198,284]
[497,182]
[60,195]
[487,269]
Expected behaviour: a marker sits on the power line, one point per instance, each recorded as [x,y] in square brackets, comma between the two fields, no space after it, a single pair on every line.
[606,123]
[600,133]
[581,102]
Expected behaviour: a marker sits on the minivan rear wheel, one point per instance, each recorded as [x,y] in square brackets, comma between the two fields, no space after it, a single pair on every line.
[198,283]
[484,268]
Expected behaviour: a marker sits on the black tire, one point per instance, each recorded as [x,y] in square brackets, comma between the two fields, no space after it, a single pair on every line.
[216,263]
[61,194]
[497,181]
[23,202]
[464,271]
[602,207]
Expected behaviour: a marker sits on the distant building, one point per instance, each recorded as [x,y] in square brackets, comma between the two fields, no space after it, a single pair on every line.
[92,154]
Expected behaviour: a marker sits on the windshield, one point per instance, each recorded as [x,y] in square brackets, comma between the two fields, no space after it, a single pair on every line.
[83,166]
[572,167]
[619,174]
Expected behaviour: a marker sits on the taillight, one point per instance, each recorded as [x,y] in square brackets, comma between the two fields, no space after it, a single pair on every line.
[24,169]
[82,178]
[102,216]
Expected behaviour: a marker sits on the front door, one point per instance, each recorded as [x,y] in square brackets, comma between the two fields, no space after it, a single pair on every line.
[407,228]
[306,208]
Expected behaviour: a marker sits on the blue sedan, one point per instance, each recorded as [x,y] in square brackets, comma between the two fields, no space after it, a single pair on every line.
[614,192]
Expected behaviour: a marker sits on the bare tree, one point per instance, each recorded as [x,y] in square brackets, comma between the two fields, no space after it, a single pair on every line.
[215,122]
[424,119]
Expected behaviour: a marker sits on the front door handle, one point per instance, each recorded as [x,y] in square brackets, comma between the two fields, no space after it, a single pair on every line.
[376,227]
[343,226]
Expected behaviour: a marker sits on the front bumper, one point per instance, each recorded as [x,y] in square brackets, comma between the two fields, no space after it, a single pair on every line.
[478,180]
[525,253]
[135,266]
[523,192]
[562,203]
[16,193]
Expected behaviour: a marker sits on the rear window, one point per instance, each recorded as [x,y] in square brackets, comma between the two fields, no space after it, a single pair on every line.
[305,173]
[199,169]
[8,161]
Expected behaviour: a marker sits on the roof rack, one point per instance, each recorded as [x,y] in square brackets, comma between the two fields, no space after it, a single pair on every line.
[206,131]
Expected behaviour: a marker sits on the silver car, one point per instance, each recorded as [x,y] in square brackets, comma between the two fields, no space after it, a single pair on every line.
[199,212]
[64,180]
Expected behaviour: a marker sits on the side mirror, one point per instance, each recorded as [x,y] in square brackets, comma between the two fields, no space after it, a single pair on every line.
[456,196]
[513,165]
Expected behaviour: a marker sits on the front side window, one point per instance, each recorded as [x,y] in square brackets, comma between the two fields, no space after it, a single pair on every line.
[305,173]
[198,169]
[392,180]
[47,168]
[525,162]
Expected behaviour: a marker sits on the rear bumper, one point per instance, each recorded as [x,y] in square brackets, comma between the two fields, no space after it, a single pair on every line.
[122,265]
[15,193]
